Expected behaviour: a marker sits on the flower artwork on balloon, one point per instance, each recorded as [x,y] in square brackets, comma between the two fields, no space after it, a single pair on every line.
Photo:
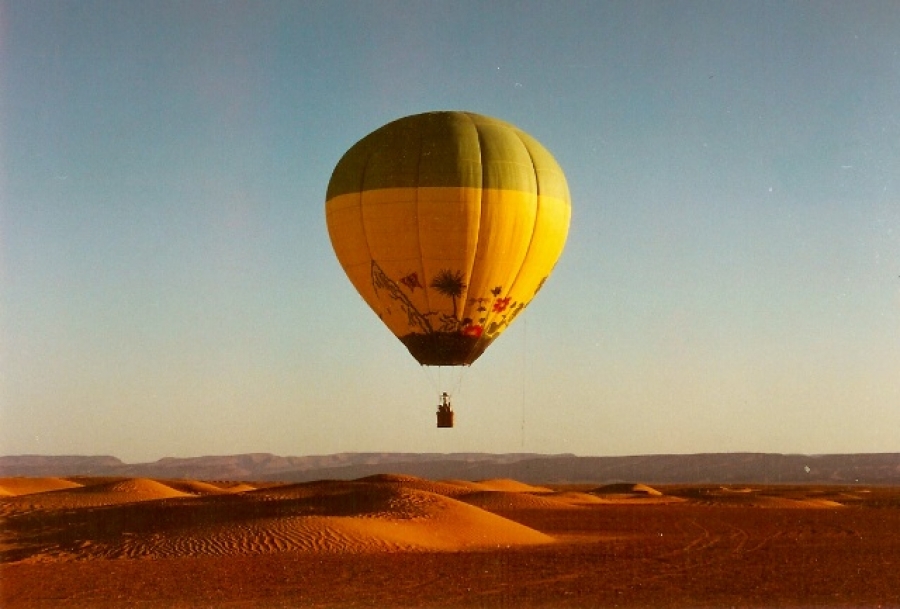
[450,338]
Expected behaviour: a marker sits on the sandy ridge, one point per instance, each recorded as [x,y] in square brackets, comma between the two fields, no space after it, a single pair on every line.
[55,519]
[13,487]
[146,519]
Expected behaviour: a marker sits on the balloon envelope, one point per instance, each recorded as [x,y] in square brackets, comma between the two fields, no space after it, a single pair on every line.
[447,224]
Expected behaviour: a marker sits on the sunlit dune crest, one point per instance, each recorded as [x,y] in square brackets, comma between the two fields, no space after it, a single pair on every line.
[506,500]
[196,487]
[400,478]
[92,495]
[627,493]
[627,488]
[467,485]
[823,503]
[27,486]
[142,489]
[446,488]
[514,486]
[761,498]
[238,488]
[577,498]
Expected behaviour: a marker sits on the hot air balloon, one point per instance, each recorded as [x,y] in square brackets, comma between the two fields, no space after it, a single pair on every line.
[447,224]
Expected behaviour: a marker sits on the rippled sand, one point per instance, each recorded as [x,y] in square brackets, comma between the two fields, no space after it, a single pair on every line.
[394,540]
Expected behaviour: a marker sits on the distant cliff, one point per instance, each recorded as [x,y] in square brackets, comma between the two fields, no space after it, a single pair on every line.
[725,468]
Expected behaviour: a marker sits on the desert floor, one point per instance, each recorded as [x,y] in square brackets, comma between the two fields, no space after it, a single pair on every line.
[397,541]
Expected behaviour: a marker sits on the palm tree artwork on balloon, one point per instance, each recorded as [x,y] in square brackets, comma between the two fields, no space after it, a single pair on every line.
[449,284]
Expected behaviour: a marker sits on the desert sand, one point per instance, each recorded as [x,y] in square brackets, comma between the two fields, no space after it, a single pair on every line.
[400,541]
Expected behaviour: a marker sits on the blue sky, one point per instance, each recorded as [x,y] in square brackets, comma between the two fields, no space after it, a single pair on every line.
[731,280]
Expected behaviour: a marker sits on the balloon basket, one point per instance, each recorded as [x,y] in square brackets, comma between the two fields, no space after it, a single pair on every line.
[444,418]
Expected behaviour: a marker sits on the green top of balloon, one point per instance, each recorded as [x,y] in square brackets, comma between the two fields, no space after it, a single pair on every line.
[440,149]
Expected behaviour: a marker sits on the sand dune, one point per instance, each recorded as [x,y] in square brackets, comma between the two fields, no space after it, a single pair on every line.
[446,488]
[758,498]
[142,518]
[416,517]
[196,487]
[788,502]
[26,486]
[506,500]
[389,541]
[468,485]
[627,493]
[385,513]
[115,492]
[575,498]
[513,486]
[136,489]
[627,488]
[238,488]
[122,491]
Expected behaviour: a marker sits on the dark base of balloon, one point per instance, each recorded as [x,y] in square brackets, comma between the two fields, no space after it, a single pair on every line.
[445,348]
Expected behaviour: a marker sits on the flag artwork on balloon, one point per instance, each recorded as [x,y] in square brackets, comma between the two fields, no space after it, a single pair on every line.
[447,224]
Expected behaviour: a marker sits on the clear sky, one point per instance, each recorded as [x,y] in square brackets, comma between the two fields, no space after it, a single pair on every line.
[731,280]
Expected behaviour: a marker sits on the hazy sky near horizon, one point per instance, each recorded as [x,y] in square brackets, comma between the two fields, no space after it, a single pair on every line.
[731,280]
